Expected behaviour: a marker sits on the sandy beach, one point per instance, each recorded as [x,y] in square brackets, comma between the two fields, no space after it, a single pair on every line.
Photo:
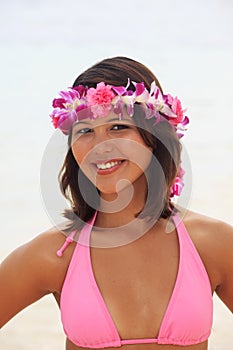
[44,46]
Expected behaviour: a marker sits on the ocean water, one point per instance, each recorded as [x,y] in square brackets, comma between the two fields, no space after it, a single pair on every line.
[46,44]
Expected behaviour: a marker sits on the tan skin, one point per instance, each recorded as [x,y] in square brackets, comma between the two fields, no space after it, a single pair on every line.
[149,265]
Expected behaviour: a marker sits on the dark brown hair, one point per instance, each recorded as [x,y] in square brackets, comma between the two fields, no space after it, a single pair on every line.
[161,137]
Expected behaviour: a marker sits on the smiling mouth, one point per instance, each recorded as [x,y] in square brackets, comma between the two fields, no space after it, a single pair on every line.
[109,166]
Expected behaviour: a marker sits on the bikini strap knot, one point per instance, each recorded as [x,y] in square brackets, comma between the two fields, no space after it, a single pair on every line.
[68,240]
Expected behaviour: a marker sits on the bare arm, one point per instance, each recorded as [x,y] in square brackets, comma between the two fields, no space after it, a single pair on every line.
[225,255]
[29,273]
[214,242]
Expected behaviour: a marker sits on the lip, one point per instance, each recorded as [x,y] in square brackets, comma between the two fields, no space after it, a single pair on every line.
[109,170]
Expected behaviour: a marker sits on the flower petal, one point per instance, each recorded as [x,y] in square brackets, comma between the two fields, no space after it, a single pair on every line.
[139,89]
[119,90]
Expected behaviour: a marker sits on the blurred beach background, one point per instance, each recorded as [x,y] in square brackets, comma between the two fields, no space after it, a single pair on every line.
[44,45]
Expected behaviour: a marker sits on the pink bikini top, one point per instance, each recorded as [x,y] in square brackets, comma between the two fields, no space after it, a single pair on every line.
[88,323]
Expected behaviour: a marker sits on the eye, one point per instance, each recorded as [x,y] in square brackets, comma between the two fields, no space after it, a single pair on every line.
[120,127]
[83,131]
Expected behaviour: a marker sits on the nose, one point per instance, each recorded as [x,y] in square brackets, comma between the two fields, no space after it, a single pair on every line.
[103,144]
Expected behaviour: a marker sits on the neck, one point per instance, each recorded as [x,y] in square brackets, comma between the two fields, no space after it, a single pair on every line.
[117,209]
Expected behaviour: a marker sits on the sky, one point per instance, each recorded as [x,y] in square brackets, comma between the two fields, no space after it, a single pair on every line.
[46,44]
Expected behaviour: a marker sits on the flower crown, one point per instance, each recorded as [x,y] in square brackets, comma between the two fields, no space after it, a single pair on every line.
[99,101]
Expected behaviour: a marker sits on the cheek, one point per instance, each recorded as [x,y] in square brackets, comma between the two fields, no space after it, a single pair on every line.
[142,161]
[138,153]
[79,152]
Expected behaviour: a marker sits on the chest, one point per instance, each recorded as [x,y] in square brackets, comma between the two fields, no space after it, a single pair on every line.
[136,282]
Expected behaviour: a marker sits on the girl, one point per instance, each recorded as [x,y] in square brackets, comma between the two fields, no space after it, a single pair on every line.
[119,279]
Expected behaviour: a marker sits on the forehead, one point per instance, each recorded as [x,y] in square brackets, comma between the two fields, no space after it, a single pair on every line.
[110,118]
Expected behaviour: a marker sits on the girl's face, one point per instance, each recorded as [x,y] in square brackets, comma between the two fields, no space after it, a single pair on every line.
[110,152]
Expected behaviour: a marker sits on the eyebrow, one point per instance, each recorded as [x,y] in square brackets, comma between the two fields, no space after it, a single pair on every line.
[80,122]
[117,119]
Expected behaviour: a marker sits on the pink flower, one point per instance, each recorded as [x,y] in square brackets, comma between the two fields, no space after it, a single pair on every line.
[178,183]
[102,95]
[176,108]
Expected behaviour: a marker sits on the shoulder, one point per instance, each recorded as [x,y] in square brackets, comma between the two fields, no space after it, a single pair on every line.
[45,247]
[38,257]
[207,228]
[32,271]
[213,240]
[46,244]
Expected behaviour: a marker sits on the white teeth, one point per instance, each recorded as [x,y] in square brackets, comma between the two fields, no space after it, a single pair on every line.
[107,165]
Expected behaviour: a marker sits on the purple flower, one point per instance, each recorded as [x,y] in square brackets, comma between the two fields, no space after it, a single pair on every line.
[58,102]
